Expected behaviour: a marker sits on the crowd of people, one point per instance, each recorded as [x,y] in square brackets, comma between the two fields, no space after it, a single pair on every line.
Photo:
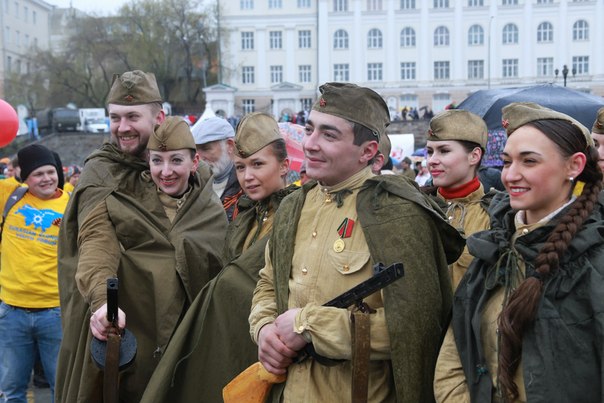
[222,263]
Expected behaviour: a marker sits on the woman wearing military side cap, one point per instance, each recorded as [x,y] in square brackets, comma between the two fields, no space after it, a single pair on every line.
[212,345]
[456,144]
[597,133]
[527,316]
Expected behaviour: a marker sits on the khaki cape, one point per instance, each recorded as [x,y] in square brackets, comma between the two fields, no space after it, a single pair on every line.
[162,268]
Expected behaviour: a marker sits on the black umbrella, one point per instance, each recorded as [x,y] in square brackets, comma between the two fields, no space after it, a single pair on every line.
[579,105]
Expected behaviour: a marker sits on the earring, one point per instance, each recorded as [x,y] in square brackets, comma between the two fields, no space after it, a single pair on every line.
[571,179]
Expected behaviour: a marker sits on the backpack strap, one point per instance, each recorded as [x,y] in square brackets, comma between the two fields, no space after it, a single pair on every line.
[14,197]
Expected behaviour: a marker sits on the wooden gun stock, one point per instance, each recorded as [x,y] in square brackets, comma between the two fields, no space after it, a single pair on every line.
[251,386]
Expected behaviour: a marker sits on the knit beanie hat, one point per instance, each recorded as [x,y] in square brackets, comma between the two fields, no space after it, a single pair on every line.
[35,156]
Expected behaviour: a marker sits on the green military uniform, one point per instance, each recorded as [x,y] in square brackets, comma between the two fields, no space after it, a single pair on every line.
[212,345]
[162,267]
[307,268]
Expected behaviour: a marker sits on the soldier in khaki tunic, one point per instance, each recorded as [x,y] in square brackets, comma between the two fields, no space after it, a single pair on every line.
[326,238]
[118,225]
[597,133]
[456,144]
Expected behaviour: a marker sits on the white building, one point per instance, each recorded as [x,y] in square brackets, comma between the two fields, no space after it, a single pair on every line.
[24,25]
[276,53]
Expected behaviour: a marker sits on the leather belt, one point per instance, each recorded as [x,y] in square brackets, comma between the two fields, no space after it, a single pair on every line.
[29,310]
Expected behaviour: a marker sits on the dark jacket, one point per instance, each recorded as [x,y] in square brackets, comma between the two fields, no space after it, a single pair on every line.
[562,349]
[231,193]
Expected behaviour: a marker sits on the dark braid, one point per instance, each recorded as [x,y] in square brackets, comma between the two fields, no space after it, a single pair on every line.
[521,308]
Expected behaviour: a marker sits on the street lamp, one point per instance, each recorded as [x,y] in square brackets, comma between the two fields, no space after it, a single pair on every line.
[565,72]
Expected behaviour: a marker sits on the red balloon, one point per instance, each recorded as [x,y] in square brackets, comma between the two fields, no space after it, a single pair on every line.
[9,123]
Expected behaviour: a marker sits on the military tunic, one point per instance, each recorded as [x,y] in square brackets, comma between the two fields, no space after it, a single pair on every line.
[304,269]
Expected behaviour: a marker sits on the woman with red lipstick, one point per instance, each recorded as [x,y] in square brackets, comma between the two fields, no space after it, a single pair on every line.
[213,345]
[527,321]
[456,143]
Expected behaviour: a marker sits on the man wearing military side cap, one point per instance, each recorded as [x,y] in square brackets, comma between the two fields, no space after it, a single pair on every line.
[116,226]
[326,238]
[214,139]
[597,133]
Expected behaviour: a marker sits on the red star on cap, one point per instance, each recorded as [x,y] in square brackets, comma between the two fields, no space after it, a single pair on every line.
[129,98]
[505,123]
[598,125]
[322,102]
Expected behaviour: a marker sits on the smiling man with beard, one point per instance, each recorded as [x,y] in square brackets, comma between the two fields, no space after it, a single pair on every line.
[116,226]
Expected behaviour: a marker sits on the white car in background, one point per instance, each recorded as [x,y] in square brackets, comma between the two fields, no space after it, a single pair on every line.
[96,125]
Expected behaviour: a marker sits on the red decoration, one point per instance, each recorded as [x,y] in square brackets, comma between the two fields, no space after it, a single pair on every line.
[9,123]
[505,123]
[322,102]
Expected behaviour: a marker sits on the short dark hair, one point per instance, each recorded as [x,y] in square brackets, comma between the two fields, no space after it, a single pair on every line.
[279,149]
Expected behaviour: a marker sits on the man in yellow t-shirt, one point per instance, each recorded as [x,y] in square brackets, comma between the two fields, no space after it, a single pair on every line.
[30,317]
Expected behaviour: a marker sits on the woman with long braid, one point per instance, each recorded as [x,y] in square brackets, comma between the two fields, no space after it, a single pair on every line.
[528,317]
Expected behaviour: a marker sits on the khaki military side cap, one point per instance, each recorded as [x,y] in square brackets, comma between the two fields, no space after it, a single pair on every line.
[518,114]
[598,126]
[357,104]
[254,132]
[134,88]
[173,134]
[457,124]
[385,146]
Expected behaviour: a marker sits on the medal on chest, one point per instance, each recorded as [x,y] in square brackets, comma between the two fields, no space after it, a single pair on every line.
[344,231]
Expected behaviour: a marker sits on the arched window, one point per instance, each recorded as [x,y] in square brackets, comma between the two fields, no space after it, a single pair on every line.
[510,34]
[441,36]
[580,31]
[545,32]
[408,37]
[374,39]
[475,35]
[340,39]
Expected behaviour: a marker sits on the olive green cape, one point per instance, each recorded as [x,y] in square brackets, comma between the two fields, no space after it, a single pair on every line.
[400,224]
[212,344]
[162,268]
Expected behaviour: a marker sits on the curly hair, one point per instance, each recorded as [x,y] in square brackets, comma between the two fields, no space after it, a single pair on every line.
[520,310]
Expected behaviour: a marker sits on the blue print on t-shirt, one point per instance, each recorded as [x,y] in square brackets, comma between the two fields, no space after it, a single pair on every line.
[38,218]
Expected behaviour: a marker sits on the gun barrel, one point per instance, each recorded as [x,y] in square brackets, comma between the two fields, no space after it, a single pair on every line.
[112,287]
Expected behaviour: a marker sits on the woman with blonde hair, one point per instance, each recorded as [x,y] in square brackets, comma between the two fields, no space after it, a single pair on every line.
[527,320]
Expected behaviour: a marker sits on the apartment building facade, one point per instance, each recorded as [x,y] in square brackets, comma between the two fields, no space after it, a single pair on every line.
[415,53]
[24,26]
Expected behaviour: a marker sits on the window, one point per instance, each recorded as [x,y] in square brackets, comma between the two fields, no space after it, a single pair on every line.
[407,4]
[7,34]
[275,4]
[17,38]
[275,40]
[580,31]
[26,41]
[25,13]
[510,34]
[374,71]
[246,4]
[409,100]
[249,106]
[306,103]
[340,39]
[18,66]
[16,9]
[34,16]
[509,2]
[510,68]
[441,70]
[545,1]
[304,39]
[9,64]
[441,36]
[247,75]
[374,39]
[341,72]
[581,64]
[6,6]
[374,5]
[440,101]
[247,40]
[408,71]
[304,73]
[303,3]
[475,69]
[408,37]
[545,66]
[340,5]
[545,32]
[276,74]
[441,3]
[475,35]
[475,3]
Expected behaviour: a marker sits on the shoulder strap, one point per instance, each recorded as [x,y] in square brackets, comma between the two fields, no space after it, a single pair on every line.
[14,197]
